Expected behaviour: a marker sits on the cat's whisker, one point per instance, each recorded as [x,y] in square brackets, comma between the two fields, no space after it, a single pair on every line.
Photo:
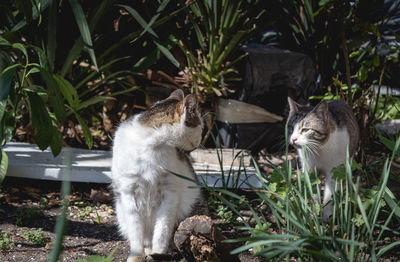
[313,148]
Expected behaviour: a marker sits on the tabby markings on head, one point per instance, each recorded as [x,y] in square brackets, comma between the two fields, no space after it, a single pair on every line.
[307,124]
[170,111]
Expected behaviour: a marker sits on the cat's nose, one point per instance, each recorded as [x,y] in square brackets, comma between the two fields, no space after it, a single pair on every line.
[294,139]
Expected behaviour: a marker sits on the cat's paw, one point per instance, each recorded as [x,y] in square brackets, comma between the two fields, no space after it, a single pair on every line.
[136,259]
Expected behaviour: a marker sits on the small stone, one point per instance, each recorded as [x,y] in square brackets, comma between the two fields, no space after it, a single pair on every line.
[247,213]
[110,211]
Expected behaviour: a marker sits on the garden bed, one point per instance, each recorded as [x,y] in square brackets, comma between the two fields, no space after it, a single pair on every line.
[27,205]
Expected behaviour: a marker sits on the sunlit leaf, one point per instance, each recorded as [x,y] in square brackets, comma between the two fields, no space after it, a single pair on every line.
[84,29]
[86,130]
[3,165]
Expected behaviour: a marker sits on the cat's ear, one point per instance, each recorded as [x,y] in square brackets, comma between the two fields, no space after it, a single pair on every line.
[177,95]
[293,106]
[190,103]
[322,110]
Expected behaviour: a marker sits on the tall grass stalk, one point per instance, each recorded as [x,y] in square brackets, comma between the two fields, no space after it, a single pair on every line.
[61,223]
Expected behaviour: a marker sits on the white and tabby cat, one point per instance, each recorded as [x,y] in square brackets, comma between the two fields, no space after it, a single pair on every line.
[149,199]
[324,132]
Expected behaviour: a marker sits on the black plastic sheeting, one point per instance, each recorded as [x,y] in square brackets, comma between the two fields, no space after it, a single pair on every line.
[270,75]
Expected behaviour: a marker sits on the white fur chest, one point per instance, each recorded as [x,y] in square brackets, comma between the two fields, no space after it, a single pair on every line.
[331,154]
[144,157]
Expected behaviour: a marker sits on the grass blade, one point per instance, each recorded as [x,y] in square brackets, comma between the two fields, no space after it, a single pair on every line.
[83,28]
[86,130]
[156,41]
[61,223]
[51,33]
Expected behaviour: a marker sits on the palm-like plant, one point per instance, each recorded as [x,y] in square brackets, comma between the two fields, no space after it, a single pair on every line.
[218,29]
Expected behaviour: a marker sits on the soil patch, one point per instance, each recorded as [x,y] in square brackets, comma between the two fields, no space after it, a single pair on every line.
[28,205]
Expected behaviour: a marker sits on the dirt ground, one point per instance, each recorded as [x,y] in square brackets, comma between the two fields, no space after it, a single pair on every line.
[27,205]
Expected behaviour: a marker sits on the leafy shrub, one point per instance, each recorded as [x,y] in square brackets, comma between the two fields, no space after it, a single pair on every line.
[36,238]
[5,241]
[45,67]
[216,31]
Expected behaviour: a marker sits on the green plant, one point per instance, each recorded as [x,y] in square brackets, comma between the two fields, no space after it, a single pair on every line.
[53,74]
[387,108]
[391,145]
[28,78]
[85,212]
[354,234]
[224,213]
[217,30]
[5,241]
[24,214]
[44,204]
[36,238]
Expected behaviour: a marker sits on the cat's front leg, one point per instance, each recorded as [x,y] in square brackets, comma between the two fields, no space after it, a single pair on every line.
[131,226]
[166,218]
[328,192]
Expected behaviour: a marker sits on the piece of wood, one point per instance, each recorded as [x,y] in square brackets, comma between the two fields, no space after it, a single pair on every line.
[198,239]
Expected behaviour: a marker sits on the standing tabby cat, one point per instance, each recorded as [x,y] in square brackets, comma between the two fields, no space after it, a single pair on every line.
[324,132]
[150,200]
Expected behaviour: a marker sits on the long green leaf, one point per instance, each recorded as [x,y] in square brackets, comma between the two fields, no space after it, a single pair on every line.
[160,9]
[156,40]
[390,200]
[135,34]
[40,120]
[51,33]
[6,82]
[77,47]
[86,130]
[255,244]
[103,67]
[55,95]
[84,29]
[21,48]
[72,55]
[92,101]
[3,165]
[68,91]
[387,248]
[56,141]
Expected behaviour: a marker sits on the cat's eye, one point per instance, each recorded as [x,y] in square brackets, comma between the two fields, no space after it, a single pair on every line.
[304,130]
